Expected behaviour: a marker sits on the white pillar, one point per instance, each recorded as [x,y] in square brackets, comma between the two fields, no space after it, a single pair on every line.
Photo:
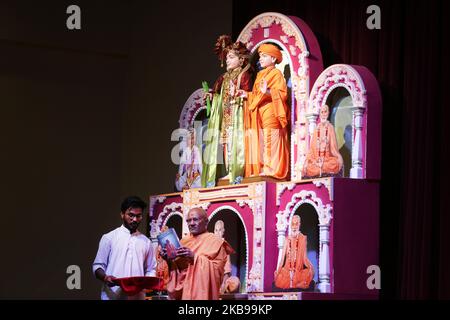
[281,238]
[154,231]
[312,123]
[324,259]
[301,136]
[357,149]
[282,220]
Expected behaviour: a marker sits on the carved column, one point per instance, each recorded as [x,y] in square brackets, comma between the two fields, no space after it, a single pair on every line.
[281,232]
[325,216]
[324,259]
[357,148]
[312,122]
[154,231]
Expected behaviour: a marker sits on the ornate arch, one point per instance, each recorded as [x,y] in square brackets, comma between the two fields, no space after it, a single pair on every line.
[226,207]
[174,208]
[170,215]
[255,280]
[191,108]
[324,213]
[345,76]
[305,62]
[154,200]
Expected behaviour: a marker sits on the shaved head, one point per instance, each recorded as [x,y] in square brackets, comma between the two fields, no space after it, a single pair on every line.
[324,112]
[295,224]
[219,228]
[197,221]
[200,211]
[220,224]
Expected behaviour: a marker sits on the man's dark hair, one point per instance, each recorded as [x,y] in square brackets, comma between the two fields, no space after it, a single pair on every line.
[132,202]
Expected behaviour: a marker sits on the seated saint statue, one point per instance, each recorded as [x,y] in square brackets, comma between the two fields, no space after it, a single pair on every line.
[323,158]
[295,269]
[190,169]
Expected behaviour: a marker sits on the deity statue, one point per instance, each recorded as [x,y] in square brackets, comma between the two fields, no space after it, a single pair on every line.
[230,284]
[224,152]
[295,270]
[190,169]
[267,118]
[323,157]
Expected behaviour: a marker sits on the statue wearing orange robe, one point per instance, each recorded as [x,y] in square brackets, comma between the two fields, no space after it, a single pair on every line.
[197,272]
[266,119]
[323,157]
[219,230]
[295,270]
[162,269]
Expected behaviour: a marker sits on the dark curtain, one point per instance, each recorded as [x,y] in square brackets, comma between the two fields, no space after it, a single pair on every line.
[409,58]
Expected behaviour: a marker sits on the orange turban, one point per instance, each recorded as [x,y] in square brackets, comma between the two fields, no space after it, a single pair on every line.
[271,50]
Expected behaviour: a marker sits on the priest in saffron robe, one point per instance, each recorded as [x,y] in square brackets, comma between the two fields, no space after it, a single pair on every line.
[295,269]
[266,119]
[323,157]
[197,271]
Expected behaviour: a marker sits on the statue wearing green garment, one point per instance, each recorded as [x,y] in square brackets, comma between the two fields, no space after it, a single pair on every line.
[223,156]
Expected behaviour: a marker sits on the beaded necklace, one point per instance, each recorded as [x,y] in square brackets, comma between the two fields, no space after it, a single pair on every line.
[321,139]
[292,253]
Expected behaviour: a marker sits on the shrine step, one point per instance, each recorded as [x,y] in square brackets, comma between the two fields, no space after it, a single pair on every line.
[226,182]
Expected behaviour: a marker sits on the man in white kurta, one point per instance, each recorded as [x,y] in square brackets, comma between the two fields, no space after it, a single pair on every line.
[124,252]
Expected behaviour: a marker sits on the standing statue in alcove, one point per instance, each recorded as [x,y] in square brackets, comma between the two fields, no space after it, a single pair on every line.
[323,158]
[225,134]
[267,118]
[295,269]
[230,284]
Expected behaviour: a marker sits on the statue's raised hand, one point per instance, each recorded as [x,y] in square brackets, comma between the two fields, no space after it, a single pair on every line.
[263,86]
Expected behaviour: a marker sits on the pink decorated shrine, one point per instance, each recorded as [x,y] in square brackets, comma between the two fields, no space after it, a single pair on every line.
[339,214]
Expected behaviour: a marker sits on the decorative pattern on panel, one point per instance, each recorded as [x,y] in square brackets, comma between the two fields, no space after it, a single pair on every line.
[192,107]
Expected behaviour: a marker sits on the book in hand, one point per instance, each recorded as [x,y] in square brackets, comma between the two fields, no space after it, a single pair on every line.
[169,240]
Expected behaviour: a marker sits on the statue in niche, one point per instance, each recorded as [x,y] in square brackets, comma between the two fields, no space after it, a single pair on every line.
[267,118]
[224,152]
[295,269]
[190,169]
[323,158]
[230,284]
